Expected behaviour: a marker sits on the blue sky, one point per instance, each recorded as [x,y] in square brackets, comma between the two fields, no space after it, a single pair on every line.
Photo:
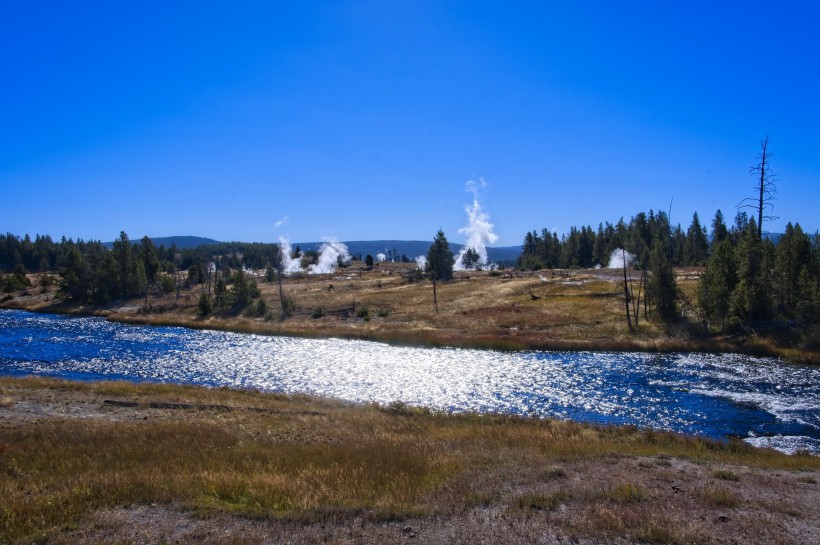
[364,120]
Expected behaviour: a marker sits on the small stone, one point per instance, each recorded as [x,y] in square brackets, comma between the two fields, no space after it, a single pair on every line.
[723,518]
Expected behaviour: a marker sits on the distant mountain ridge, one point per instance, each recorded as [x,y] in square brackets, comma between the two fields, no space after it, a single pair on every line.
[182,242]
[410,248]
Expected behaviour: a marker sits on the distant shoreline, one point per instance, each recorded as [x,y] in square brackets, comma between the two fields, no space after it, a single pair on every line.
[435,339]
[561,310]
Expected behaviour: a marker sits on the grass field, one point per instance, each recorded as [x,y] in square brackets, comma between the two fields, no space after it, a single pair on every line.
[560,310]
[134,463]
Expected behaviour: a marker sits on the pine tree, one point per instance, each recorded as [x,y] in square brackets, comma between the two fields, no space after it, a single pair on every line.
[793,253]
[440,262]
[750,299]
[696,245]
[440,258]
[719,231]
[662,285]
[717,283]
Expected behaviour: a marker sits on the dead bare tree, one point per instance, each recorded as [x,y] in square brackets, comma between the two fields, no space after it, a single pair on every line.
[626,293]
[766,189]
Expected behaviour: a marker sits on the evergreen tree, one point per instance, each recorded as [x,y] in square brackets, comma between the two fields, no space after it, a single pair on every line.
[440,258]
[717,284]
[696,243]
[750,299]
[150,259]
[205,305]
[127,282]
[662,285]
[470,259]
[719,231]
[793,254]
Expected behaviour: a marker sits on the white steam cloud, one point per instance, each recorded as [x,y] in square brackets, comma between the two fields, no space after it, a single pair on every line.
[282,222]
[331,253]
[381,257]
[290,264]
[479,230]
[421,262]
[616,259]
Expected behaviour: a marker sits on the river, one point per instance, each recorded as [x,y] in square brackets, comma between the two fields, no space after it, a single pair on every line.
[764,401]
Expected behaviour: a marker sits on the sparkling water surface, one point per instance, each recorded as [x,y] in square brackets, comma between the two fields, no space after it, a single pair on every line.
[763,400]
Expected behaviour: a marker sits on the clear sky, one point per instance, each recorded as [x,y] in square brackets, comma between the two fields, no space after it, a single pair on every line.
[363,120]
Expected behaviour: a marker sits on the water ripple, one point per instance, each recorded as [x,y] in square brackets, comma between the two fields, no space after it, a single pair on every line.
[761,399]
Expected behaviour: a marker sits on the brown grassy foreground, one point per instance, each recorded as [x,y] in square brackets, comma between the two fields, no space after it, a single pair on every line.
[125,463]
[571,310]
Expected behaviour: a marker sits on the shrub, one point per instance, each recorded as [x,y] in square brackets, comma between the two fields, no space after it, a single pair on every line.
[627,493]
[726,475]
[166,283]
[260,308]
[363,313]
[205,305]
[719,497]
[543,502]
[317,313]
[288,307]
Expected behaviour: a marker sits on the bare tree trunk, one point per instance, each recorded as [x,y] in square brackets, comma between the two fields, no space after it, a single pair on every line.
[637,306]
[626,293]
[762,186]
[435,297]
[645,297]
[281,293]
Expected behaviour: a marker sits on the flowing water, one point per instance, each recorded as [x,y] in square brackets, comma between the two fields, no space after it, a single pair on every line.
[763,400]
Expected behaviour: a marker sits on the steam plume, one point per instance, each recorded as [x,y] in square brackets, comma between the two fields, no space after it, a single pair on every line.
[290,264]
[421,262]
[381,257]
[331,253]
[479,230]
[616,259]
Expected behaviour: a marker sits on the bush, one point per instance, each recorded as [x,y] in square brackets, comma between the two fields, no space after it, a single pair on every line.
[288,308]
[363,313]
[259,309]
[383,312]
[205,305]
[166,283]
[317,313]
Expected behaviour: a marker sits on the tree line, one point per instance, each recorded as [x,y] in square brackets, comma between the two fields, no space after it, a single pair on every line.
[748,277]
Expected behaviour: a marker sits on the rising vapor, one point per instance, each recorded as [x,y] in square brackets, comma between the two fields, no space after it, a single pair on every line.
[616,259]
[331,253]
[479,230]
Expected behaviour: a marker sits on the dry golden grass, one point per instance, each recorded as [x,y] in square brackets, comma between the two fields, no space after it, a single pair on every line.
[574,310]
[317,462]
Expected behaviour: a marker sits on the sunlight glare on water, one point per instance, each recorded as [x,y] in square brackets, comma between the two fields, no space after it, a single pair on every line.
[762,400]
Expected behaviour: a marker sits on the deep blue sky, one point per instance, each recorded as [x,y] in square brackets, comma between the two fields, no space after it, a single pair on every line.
[364,120]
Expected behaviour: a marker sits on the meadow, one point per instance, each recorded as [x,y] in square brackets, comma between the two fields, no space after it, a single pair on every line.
[113,462]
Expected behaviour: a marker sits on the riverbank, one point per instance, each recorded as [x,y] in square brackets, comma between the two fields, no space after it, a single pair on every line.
[118,462]
[506,310]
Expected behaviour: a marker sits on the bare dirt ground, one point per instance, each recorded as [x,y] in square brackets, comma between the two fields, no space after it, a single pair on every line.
[604,497]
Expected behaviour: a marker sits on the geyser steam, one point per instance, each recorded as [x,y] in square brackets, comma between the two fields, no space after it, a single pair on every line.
[617,257]
[479,230]
[331,253]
